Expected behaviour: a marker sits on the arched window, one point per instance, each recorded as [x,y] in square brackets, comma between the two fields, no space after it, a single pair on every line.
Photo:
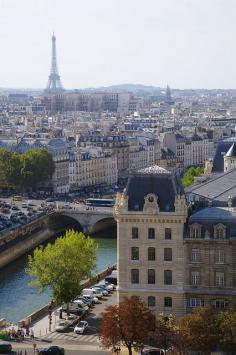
[151,276]
[151,254]
[134,253]
[167,277]
[195,230]
[219,231]
[151,233]
[167,254]
[135,276]
[151,301]
[134,233]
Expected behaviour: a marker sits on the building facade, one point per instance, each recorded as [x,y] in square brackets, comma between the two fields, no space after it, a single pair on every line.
[173,262]
[150,221]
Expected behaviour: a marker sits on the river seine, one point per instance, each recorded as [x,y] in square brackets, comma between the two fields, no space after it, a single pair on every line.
[17,300]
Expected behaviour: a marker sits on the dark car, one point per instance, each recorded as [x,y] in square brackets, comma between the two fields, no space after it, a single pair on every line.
[52,350]
[111,279]
[5,347]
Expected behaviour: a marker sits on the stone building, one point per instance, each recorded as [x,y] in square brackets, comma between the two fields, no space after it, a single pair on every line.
[210,254]
[92,168]
[174,257]
[122,103]
[151,216]
[230,158]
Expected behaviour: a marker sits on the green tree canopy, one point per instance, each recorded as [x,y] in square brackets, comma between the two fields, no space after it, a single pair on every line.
[36,166]
[63,265]
[9,168]
[26,170]
[188,177]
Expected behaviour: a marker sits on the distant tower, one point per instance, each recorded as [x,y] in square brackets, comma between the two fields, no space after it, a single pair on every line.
[168,94]
[54,82]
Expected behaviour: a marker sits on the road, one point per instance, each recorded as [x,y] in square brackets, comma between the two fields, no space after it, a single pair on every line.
[87,343]
[36,203]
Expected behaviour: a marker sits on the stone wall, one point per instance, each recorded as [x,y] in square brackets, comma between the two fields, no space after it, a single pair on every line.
[24,246]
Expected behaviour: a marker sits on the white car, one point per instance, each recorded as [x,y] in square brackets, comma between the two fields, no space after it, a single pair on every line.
[102,290]
[108,286]
[92,298]
[97,293]
[62,325]
[80,302]
[81,327]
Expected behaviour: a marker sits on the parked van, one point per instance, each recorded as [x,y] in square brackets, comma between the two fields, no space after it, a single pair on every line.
[112,278]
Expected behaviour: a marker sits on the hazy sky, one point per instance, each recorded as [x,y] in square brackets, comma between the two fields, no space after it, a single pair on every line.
[186,43]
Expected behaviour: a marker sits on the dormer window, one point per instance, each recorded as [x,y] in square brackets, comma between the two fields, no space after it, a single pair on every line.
[219,231]
[195,230]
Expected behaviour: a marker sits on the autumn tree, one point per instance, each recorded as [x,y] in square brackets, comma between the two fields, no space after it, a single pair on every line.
[165,332]
[128,323]
[198,330]
[226,329]
[63,265]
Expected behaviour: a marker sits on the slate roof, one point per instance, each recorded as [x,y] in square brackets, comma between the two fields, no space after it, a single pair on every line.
[232,151]
[217,189]
[221,149]
[154,180]
[209,217]
[214,214]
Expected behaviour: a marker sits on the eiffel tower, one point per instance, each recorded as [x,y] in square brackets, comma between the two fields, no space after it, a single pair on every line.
[54,85]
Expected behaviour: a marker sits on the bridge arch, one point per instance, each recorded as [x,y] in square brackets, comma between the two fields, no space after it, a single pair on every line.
[60,223]
[104,224]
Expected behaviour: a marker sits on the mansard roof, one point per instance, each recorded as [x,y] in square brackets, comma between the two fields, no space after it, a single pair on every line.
[152,180]
[232,151]
[210,217]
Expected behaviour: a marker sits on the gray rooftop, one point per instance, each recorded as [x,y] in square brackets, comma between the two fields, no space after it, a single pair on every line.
[219,214]
[219,188]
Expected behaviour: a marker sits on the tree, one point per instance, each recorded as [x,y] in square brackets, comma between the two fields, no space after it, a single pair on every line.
[128,323]
[26,170]
[36,167]
[226,328]
[198,330]
[9,168]
[63,265]
[165,332]
[188,177]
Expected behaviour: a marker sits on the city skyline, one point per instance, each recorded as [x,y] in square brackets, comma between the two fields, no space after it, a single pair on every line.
[189,45]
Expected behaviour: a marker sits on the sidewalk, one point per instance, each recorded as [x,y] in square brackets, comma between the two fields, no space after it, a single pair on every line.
[41,326]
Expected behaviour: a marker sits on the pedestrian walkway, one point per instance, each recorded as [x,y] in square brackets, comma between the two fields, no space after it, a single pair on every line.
[85,338]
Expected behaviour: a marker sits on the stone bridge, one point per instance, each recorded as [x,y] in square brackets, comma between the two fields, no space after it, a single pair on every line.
[87,221]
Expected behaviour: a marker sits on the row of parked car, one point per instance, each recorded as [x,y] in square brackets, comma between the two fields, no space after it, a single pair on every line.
[79,308]
[13,216]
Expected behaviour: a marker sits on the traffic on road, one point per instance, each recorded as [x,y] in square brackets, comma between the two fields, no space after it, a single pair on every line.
[17,210]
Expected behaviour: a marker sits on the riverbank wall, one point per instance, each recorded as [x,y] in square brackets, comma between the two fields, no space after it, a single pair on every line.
[33,317]
[23,245]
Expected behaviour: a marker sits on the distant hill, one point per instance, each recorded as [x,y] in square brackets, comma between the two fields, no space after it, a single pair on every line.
[138,89]
[135,88]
